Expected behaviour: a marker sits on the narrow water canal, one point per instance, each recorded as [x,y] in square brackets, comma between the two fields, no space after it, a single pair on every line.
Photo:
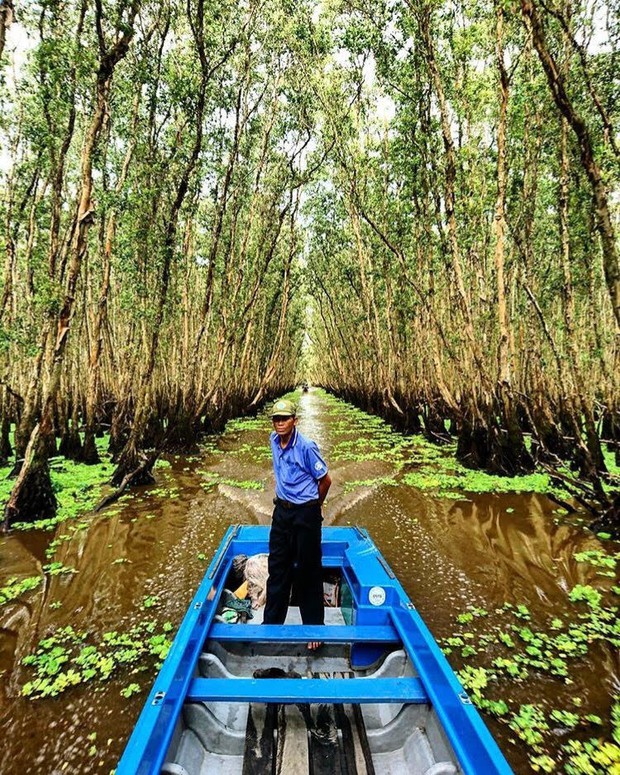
[141,560]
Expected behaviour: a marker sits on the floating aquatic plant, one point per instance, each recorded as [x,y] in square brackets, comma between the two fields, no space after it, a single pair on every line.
[129,691]
[77,487]
[379,481]
[211,478]
[57,569]
[547,651]
[66,658]
[15,587]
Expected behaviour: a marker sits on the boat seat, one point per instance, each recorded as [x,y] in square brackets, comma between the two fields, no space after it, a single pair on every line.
[299,690]
[441,768]
[300,633]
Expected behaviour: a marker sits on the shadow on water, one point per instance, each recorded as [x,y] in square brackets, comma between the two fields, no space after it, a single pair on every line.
[484,551]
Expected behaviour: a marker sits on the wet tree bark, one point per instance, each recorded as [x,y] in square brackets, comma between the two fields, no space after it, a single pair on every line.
[6,451]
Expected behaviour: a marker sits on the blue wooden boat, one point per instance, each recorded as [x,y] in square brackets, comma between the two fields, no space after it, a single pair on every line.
[379,696]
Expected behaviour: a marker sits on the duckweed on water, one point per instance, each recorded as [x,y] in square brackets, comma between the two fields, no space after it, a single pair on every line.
[461,478]
[258,452]
[210,479]
[517,651]
[244,484]
[436,469]
[77,488]
[15,587]
[130,690]
[387,481]
[66,658]
[240,424]
[599,559]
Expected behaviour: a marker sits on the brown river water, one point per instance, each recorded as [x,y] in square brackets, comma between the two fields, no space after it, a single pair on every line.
[447,554]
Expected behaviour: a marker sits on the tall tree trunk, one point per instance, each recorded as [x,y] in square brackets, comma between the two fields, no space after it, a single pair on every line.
[512,456]
[6,450]
[611,262]
[90,454]
[131,462]
[32,496]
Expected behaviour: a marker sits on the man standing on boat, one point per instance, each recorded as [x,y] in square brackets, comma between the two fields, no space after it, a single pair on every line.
[302,483]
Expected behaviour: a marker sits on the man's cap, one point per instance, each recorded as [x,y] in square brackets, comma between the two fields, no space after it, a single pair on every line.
[283,408]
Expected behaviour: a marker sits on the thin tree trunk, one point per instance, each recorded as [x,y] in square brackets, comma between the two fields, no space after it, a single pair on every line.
[32,496]
[131,458]
[611,262]
[90,454]
[514,458]
[6,18]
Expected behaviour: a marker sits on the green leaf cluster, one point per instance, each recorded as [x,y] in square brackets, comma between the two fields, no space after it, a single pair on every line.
[67,658]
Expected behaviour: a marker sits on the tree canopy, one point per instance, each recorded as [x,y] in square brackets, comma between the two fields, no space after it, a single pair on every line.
[412,203]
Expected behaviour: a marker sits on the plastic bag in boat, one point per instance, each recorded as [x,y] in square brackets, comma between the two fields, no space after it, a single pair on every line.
[256,574]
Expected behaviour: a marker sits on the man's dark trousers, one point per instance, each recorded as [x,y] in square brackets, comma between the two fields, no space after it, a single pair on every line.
[295,561]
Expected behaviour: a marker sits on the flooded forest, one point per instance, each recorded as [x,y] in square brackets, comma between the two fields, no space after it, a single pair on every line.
[411,206]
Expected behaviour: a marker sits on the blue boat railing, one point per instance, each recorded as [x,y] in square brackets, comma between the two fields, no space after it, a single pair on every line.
[149,742]
[473,744]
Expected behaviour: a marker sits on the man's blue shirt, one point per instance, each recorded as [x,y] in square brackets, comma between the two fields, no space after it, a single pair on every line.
[298,468]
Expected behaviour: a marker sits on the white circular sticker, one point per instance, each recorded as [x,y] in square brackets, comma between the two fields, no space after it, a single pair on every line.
[376,596]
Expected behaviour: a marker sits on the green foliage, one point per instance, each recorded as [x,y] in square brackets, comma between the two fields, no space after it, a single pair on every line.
[529,723]
[243,484]
[585,593]
[130,690]
[437,470]
[211,478]
[542,763]
[242,424]
[465,479]
[592,757]
[565,718]
[598,558]
[77,487]
[57,569]
[504,655]
[15,587]
[380,481]
[66,658]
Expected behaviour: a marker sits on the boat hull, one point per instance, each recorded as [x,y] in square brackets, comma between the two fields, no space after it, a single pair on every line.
[379,696]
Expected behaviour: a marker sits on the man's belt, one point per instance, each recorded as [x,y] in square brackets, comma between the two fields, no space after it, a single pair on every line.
[291,505]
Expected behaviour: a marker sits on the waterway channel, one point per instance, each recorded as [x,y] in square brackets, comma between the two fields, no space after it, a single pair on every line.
[143,557]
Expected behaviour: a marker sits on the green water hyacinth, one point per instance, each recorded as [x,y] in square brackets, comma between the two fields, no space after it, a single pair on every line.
[66,658]
[15,588]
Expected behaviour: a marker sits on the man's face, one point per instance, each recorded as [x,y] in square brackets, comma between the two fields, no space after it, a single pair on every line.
[283,426]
